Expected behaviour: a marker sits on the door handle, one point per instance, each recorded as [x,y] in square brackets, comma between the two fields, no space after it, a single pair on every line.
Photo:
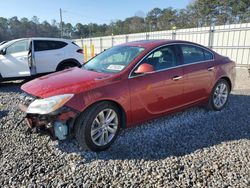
[210,69]
[175,78]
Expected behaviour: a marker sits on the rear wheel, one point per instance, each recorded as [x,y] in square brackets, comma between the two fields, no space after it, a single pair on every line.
[66,66]
[97,128]
[219,96]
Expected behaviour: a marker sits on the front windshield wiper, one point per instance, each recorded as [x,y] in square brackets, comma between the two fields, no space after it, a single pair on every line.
[90,69]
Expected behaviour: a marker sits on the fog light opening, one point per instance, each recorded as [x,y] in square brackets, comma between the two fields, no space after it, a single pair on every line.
[60,130]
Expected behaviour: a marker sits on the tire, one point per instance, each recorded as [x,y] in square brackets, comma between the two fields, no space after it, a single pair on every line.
[66,66]
[87,130]
[219,96]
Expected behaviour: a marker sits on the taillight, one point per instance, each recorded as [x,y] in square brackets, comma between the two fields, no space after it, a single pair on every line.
[80,51]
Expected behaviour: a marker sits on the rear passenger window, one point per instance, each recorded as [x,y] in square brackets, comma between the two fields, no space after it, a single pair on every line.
[42,45]
[192,54]
[208,55]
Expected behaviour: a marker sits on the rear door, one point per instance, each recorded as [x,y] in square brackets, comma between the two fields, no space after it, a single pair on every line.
[48,54]
[198,67]
[14,63]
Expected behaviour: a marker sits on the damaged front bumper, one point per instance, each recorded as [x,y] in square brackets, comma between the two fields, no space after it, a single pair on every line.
[59,124]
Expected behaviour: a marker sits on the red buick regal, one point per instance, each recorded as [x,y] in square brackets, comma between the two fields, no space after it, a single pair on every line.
[124,86]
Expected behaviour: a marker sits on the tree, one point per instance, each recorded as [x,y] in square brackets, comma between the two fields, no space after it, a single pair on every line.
[135,24]
[152,18]
[198,13]
[4,29]
[208,12]
[240,10]
[167,19]
[67,30]
[35,20]
[14,28]
[184,19]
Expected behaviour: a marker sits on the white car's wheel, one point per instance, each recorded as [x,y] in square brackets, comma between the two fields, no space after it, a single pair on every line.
[66,66]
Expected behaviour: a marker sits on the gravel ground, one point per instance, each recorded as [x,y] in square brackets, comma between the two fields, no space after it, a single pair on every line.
[193,148]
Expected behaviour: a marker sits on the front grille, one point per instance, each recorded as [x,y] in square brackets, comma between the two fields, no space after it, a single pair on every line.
[26,99]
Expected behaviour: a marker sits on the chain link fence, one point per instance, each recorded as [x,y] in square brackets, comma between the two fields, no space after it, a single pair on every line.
[228,40]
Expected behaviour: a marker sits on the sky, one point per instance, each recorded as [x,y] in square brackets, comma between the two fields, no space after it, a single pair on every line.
[82,11]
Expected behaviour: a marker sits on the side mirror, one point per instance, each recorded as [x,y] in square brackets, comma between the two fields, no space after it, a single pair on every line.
[3,52]
[144,68]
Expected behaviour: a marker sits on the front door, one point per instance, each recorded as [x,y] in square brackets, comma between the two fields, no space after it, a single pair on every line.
[160,91]
[14,63]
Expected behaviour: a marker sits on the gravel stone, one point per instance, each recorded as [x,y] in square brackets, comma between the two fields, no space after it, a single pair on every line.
[193,148]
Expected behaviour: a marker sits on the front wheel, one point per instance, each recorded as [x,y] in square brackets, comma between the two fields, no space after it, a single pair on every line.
[219,96]
[97,128]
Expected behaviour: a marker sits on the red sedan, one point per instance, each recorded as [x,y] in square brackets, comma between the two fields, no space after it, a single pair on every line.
[127,85]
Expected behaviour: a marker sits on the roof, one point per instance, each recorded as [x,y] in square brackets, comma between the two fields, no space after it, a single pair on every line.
[49,38]
[146,43]
[32,38]
[42,38]
[156,43]
[151,43]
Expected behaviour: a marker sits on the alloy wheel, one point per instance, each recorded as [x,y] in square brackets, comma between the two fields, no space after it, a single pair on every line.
[220,95]
[104,127]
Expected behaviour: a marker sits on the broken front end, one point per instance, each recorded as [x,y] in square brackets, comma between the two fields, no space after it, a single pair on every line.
[49,114]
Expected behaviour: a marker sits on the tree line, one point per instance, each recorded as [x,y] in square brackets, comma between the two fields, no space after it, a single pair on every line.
[198,13]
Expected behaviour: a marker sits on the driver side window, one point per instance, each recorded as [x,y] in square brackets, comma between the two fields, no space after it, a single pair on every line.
[162,58]
[19,46]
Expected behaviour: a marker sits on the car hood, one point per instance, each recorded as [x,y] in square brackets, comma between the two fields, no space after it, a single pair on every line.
[74,81]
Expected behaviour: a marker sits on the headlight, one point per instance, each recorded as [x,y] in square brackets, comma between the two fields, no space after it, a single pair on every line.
[48,105]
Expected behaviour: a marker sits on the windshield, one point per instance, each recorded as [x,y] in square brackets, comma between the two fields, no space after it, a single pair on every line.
[8,43]
[114,59]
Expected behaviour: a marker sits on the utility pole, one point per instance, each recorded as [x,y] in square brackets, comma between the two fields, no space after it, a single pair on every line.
[61,23]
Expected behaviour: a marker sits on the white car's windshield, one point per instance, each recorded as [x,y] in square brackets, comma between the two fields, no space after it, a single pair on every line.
[114,59]
[3,46]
